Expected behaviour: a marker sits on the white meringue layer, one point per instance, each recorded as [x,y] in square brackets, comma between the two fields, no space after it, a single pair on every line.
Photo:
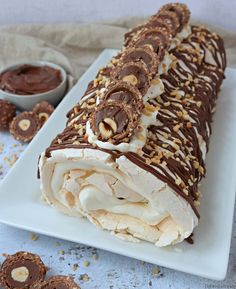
[89,182]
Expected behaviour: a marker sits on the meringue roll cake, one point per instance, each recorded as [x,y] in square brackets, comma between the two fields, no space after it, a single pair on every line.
[133,152]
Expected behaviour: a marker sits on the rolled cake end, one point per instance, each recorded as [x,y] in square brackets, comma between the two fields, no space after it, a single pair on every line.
[118,196]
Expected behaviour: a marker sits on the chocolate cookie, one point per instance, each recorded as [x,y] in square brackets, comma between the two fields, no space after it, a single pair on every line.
[57,282]
[22,270]
[7,112]
[24,126]
[43,110]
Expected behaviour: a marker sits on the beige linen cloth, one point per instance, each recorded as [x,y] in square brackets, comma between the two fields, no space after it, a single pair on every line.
[75,46]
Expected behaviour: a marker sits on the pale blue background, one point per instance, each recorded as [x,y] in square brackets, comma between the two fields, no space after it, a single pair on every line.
[219,12]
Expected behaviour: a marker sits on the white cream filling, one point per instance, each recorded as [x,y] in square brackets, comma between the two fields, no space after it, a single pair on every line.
[184,33]
[89,182]
[156,88]
[165,64]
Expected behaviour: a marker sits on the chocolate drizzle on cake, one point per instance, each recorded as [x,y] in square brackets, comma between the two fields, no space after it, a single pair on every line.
[113,103]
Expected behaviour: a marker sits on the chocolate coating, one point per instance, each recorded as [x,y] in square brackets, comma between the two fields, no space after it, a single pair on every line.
[185,108]
[171,17]
[171,20]
[7,113]
[150,58]
[113,121]
[133,32]
[152,44]
[125,93]
[57,282]
[24,126]
[181,10]
[159,34]
[22,270]
[43,110]
[28,79]
[135,74]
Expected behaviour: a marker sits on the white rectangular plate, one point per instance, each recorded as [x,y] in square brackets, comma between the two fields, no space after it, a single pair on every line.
[20,204]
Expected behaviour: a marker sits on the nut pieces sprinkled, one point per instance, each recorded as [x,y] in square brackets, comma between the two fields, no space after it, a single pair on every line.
[184,106]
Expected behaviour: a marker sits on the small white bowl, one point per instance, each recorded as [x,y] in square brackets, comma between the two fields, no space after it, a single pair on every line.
[26,102]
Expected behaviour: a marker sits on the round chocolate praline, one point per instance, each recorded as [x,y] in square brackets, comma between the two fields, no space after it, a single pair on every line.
[7,113]
[43,110]
[181,10]
[170,19]
[153,44]
[57,282]
[158,23]
[124,93]
[135,74]
[24,126]
[158,33]
[134,54]
[128,37]
[112,121]
[22,270]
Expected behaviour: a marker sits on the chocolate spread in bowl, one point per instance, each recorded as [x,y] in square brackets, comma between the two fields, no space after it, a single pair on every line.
[28,79]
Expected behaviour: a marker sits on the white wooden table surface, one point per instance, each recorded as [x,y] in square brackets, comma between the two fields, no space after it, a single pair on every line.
[94,268]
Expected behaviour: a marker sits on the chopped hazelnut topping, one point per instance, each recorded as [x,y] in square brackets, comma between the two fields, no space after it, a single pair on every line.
[189,125]
[178,181]
[176,127]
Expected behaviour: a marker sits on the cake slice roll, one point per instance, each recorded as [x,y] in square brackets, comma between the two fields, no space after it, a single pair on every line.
[132,155]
